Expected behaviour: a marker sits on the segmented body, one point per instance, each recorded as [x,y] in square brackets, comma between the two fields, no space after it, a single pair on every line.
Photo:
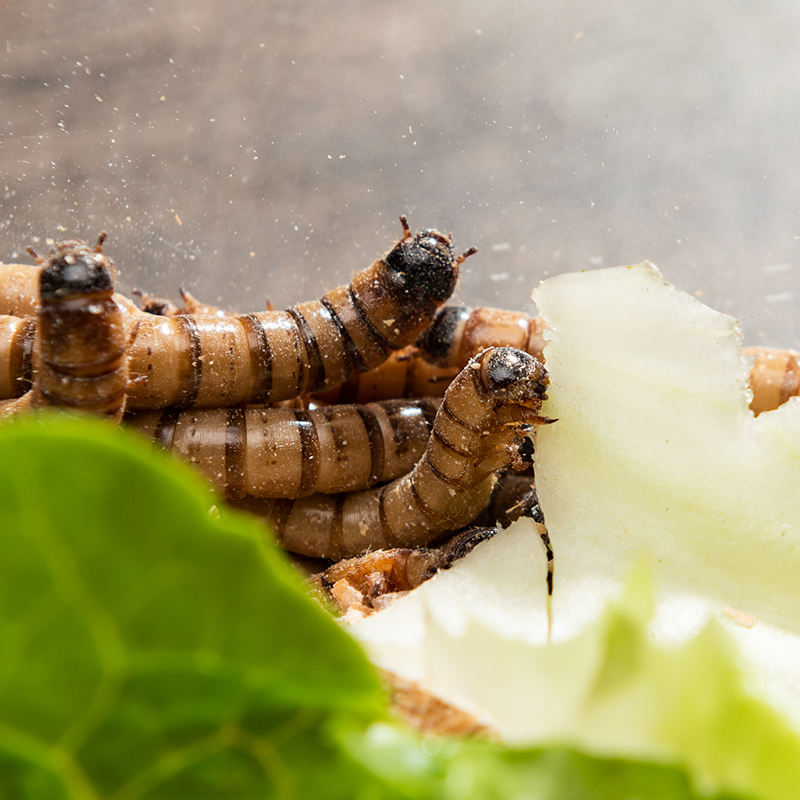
[78,349]
[486,410]
[458,332]
[282,452]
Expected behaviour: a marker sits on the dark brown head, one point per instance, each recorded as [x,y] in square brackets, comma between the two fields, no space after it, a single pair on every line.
[423,264]
[74,269]
[513,375]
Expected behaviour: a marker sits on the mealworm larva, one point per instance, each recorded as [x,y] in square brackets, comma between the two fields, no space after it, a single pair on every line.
[78,356]
[213,361]
[480,422]
[282,452]
[458,332]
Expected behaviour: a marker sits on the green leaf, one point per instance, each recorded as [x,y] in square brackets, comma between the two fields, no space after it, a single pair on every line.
[149,650]
[480,770]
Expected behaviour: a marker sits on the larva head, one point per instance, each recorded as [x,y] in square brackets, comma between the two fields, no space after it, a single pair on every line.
[513,375]
[423,264]
[74,269]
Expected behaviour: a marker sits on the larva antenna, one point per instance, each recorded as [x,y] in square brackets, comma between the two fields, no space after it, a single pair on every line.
[98,248]
[39,259]
[406,228]
[465,255]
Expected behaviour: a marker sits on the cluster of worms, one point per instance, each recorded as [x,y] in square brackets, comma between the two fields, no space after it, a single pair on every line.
[376,420]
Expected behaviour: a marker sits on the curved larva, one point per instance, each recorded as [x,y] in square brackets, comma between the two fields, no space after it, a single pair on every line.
[494,400]
[78,348]
[283,452]
[459,332]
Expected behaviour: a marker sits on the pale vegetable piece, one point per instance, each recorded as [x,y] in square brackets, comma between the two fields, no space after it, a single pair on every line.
[656,452]
[655,457]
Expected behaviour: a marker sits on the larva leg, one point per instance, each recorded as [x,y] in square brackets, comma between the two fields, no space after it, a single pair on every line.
[283,452]
[162,307]
[81,336]
[486,410]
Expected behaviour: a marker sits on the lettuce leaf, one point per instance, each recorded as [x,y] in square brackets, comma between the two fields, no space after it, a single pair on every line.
[148,650]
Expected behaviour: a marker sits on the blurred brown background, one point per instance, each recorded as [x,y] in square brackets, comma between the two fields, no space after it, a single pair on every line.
[249,149]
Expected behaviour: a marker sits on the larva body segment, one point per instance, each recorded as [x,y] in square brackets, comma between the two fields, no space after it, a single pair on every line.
[19,289]
[81,336]
[282,452]
[486,410]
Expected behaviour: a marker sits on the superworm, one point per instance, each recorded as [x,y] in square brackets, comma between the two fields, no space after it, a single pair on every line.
[212,361]
[78,348]
[458,332]
[485,412]
[282,452]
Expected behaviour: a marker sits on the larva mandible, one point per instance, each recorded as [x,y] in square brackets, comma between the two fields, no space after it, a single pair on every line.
[78,349]
[486,410]
[282,452]
[213,361]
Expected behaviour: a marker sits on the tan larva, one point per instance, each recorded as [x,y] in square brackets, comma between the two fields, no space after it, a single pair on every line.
[459,332]
[213,361]
[78,350]
[281,452]
[483,416]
